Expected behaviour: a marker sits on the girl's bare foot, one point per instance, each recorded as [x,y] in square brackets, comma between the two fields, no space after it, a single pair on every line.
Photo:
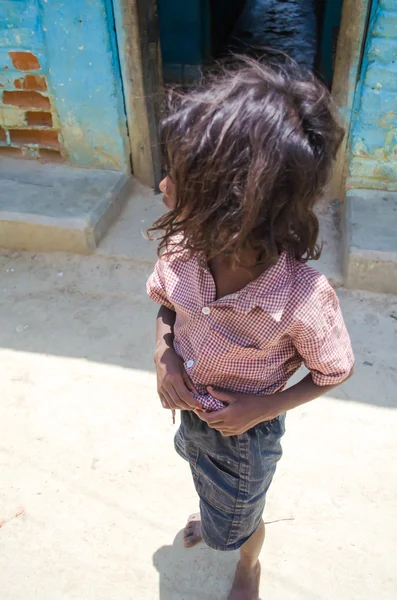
[246,583]
[192,534]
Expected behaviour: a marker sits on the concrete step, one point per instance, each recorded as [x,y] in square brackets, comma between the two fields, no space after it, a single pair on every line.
[126,240]
[51,208]
[47,208]
[370,254]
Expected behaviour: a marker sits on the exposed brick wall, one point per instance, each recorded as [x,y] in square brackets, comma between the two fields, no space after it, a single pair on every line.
[29,125]
[373,162]
[25,99]
[31,82]
[38,118]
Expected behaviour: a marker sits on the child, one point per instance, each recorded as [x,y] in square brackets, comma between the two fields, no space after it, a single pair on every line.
[249,154]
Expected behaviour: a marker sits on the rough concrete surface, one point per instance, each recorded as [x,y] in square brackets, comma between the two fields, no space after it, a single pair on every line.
[127,239]
[370,261]
[86,454]
[57,208]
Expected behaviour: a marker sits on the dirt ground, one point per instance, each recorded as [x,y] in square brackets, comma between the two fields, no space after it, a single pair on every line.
[87,460]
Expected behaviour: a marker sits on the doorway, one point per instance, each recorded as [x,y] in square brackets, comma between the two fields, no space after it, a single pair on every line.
[193,34]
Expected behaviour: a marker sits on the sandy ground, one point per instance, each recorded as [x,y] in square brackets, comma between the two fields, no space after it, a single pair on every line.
[86,454]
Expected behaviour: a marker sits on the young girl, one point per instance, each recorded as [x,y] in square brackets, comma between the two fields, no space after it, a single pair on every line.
[249,155]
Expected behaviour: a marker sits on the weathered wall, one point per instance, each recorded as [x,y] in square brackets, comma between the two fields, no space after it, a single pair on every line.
[60,87]
[29,123]
[373,161]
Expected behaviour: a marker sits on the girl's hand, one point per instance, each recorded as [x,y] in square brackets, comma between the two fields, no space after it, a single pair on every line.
[174,387]
[243,412]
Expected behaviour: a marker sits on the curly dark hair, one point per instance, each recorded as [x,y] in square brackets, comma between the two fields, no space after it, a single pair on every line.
[249,152]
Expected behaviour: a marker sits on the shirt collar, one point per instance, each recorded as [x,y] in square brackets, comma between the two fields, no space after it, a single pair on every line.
[270,291]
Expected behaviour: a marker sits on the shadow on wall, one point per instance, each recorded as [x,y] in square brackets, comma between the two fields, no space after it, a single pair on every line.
[95,309]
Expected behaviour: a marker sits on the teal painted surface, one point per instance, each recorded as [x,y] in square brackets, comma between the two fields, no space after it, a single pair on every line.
[184,34]
[20,29]
[192,32]
[75,43]
[184,31]
[373,161]
[85,80]
[20,23]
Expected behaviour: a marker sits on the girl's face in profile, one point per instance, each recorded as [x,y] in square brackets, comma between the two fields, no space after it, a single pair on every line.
[168,189]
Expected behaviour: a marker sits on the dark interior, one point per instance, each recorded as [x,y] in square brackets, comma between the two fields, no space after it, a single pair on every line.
[193,34]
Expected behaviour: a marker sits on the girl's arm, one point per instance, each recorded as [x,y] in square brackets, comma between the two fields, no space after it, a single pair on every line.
[164,330]
[302,392]
[244,411]
[174,387]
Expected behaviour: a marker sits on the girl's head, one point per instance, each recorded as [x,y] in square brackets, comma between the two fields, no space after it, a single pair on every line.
[248,154]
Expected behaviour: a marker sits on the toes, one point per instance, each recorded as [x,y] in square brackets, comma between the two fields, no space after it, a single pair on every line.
[188,531]
[189,542]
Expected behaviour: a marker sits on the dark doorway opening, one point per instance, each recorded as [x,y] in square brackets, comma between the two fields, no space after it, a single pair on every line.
[193,34]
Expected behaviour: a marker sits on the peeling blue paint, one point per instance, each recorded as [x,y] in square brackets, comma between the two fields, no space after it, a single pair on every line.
[20,29]
[75,43]
[374,127]
[84,74]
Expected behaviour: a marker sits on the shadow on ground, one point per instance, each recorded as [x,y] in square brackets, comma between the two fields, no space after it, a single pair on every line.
[198,573]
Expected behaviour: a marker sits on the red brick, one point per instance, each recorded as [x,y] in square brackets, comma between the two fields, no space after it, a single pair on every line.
[53,156]
[31,82]
[3,137]
[7,151]
[24,61]
[26,99]
[34,136]
[39,119]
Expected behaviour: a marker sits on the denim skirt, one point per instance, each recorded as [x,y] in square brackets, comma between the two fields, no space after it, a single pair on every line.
[231,476]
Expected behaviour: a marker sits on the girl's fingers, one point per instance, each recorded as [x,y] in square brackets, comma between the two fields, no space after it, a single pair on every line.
[185,396]
[211,422]
[189,384]
[163,401]
[170,400]
[219,395]
[175,401]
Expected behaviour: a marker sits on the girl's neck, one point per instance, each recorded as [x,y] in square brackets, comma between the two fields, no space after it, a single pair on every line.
[230,277]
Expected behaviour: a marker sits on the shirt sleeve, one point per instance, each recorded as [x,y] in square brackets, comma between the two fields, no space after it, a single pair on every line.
[156,288]
[322,340]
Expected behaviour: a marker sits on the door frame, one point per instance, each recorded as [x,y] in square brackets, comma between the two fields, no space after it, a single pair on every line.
[348,61]
[138,44]
[140,60]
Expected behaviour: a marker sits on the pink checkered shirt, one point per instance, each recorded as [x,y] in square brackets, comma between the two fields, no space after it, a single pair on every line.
[255,340]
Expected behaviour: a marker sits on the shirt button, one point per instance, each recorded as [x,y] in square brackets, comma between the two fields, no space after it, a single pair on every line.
[190,363]
[206,310]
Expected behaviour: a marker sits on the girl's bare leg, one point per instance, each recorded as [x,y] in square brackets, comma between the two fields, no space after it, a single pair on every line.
[248,571]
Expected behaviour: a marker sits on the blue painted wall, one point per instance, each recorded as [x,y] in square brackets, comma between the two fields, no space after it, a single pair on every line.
[76,46]
[21,30]
[85,80]
[373,161]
